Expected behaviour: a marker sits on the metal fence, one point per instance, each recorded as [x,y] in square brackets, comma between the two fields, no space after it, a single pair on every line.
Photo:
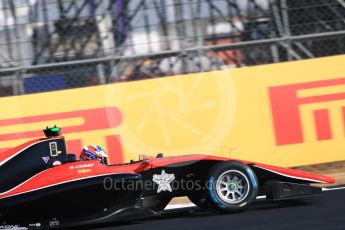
[50,45]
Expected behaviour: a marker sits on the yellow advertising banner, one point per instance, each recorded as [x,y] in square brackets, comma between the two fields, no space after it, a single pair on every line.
[286,114]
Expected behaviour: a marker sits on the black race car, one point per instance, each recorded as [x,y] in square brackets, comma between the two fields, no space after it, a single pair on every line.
[41,185]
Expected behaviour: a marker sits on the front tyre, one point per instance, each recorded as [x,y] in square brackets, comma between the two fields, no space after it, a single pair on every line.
[232,186]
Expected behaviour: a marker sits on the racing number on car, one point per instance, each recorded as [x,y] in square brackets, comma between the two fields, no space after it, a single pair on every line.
[54,152]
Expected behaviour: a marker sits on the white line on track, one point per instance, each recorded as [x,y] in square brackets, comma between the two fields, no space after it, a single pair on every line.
[188,205]
[330,189]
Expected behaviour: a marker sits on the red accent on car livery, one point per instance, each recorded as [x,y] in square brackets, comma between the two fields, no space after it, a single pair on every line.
[71,172]
[87,169]
[296,174]
[292,173]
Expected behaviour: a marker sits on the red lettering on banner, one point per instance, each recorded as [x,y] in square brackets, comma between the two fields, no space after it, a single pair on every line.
[114,146]
[94,119]
[322,123]
[285,106]
[74,146]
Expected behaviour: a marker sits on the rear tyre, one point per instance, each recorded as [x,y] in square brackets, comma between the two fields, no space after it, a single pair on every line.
[232,186]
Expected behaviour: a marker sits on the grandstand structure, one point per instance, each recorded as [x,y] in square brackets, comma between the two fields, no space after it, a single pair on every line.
[50,45]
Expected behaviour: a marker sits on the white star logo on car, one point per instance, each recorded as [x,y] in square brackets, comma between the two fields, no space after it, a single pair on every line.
[163,180]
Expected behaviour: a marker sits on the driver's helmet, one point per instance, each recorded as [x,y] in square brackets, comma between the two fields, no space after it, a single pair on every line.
[94,152]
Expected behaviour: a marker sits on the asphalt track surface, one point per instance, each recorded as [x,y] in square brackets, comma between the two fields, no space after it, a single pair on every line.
[324,212]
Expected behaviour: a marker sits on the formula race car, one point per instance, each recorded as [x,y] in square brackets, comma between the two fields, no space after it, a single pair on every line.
[43,186]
